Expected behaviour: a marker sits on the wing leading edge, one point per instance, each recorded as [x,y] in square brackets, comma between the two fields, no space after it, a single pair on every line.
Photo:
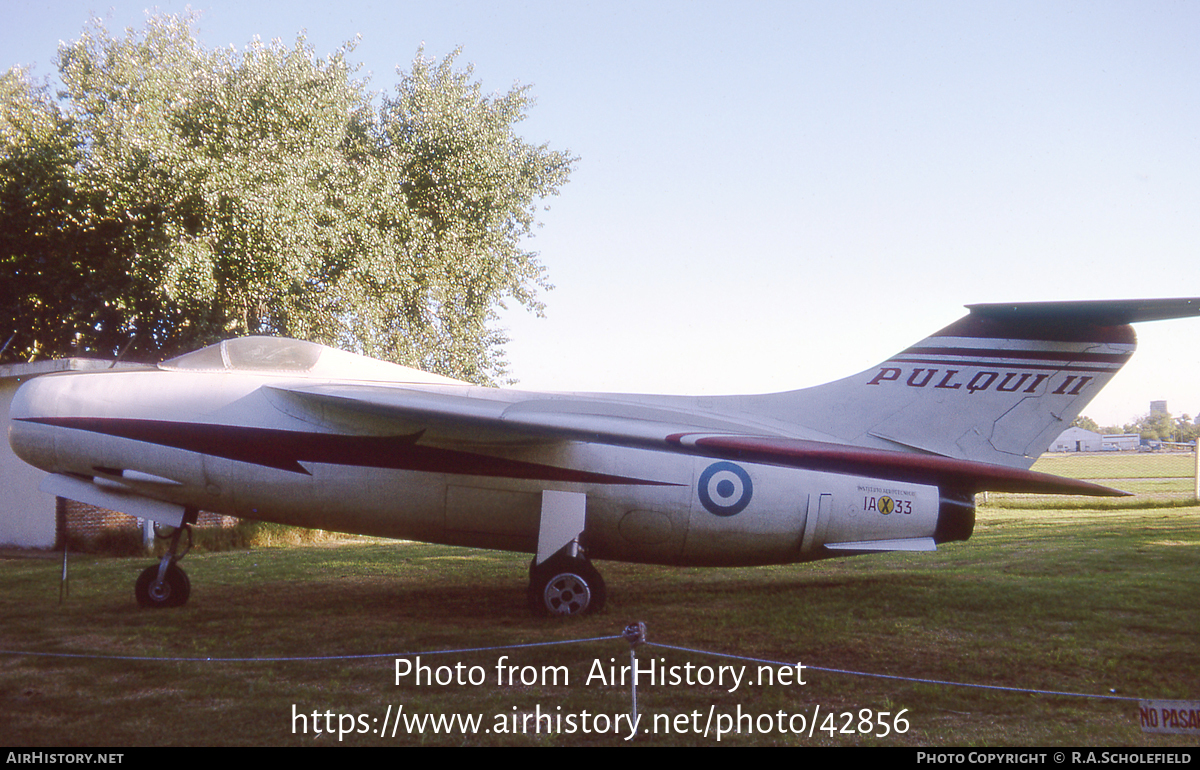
[491,421]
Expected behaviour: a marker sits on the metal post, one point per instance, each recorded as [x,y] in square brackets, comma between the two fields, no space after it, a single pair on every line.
[64,589]
[1196,476]
[633,683]
[635,634]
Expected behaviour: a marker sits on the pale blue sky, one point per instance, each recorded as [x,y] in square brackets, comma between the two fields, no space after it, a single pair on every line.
[776,194]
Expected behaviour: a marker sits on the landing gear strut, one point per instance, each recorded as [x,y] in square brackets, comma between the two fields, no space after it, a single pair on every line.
[165,584]
[562,582]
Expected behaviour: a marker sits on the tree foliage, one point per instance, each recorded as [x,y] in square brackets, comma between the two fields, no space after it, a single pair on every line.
[177,195]
[1161,426]
[1154,426]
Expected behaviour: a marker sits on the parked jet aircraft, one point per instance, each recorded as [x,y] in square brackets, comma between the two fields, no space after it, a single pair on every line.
[294,432]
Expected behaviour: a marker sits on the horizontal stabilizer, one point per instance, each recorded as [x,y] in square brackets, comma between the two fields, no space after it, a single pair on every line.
[1095,312]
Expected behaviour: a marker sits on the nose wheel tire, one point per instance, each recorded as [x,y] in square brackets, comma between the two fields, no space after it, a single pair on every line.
[566,587]
[173,591]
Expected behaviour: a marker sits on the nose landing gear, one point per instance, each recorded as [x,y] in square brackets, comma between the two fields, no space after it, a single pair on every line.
[170,590]
[165,584]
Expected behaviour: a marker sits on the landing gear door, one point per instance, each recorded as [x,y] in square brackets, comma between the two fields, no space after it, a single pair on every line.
[563,517]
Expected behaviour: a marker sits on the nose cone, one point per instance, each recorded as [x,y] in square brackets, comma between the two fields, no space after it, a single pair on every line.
[30,440]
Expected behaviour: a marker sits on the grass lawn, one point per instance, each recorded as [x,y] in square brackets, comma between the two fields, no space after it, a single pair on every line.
[1100,602]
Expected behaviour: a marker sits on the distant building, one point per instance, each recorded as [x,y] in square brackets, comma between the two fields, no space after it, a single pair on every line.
[1125,442]
[1078,440]
[1158,407]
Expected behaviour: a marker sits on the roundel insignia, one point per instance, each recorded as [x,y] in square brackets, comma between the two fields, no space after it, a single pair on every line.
[725,489]
[886,505]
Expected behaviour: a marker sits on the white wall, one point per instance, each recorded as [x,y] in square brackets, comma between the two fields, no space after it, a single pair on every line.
[27,514]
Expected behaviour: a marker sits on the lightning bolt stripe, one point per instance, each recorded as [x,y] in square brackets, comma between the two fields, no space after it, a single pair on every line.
[285,450]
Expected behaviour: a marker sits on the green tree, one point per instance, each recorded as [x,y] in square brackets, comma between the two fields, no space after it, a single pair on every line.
[1156,427]
[1186,429]
[62,288]
[179,195]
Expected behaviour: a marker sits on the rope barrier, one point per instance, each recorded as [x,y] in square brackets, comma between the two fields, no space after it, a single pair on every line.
[918,680]
[303,658]
[634,634]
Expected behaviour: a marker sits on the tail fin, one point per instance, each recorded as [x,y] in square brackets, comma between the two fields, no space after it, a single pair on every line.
[997,386]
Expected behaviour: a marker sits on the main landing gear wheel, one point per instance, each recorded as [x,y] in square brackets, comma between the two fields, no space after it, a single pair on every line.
[173,591]
[566,587]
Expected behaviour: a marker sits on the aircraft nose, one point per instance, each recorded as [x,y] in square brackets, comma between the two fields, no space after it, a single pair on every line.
[31,441]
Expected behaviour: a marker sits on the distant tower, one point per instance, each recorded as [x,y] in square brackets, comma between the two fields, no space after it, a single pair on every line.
[1158,407]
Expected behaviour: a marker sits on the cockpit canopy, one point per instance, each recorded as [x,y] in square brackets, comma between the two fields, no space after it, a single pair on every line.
[287,356]
[250,354]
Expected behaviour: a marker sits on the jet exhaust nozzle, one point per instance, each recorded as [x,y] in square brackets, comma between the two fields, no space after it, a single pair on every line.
[956,516]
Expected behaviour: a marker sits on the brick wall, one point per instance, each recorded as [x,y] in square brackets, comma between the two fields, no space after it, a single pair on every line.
[87,521]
